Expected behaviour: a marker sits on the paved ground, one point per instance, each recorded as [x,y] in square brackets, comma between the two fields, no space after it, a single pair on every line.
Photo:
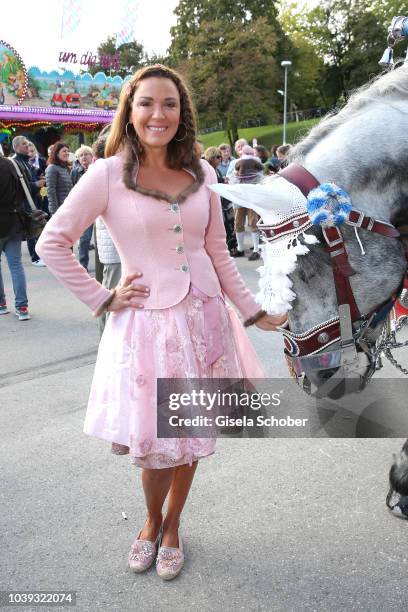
[274,525]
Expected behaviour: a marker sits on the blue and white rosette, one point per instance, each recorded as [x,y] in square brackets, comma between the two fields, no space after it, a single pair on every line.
[328,205]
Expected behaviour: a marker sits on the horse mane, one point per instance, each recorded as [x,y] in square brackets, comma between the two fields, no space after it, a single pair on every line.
[392,82]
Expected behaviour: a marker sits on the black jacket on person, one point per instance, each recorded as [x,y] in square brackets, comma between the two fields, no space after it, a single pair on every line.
[226,204]
[40,171]
[77,173]
[30,178]
[27,170]
[40,201]
[11,199]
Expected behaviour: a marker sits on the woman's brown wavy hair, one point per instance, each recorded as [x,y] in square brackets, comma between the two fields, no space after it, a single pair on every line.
[184,154]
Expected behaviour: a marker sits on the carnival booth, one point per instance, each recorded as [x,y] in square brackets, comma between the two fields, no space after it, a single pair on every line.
[47,105]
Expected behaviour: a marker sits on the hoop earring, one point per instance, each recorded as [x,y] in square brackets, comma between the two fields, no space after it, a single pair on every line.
[126,131]
[185,135]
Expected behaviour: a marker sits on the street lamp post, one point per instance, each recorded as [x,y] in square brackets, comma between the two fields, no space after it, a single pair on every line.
[285,64]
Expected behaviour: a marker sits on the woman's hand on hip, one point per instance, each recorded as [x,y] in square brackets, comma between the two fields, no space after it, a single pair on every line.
[129,294]
[271,322]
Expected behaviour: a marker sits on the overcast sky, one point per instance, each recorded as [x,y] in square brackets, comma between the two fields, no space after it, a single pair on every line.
[33,27]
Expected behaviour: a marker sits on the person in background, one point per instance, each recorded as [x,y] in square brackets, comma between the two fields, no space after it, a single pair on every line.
[84,155]
[11,231]
[58,176]
[105,248]
[230,177]
[21,148]
[261,152]
[98,150]
[241,213]
[214,157]
[270,169]
[36,160]
[248,169]
[273,160]
[226,159]
[239,144]
[201,147]
[38,165]
[282,153]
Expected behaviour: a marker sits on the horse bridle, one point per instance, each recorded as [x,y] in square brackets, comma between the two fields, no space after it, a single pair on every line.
[357,359]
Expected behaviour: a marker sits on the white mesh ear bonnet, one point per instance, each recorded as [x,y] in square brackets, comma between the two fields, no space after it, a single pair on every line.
[275,200]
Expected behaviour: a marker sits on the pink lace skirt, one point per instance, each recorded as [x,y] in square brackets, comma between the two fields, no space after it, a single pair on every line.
[200,337]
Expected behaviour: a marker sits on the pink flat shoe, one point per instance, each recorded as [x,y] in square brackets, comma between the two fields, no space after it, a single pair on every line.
[143,553]
[170,561]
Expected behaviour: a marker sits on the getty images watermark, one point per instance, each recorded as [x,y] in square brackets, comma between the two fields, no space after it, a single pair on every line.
[219,402]
[200,408]
[278,407]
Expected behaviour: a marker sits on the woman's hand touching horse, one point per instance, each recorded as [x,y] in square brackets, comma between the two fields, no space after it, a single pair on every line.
[271,322]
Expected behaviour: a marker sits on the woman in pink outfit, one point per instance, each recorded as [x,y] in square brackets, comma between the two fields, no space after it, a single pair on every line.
[169,317]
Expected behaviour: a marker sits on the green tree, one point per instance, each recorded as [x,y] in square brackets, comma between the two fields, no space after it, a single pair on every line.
[227,50]
[349,37]
[132,57]
[192,14]
[233,77]
[305,74]
[385,10]
[154,58]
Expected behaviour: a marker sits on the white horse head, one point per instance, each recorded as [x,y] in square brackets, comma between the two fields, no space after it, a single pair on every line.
[363,149]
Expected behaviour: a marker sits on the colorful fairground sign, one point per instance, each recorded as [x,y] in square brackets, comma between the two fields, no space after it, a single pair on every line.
[13,76]
[33,95]
[68,90]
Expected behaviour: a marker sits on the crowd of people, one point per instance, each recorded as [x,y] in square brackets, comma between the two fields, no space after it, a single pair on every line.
[50,181]
[250,165]
[46,183]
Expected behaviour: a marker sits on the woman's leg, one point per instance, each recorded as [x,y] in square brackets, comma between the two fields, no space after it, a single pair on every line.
[156,485]
[180,486]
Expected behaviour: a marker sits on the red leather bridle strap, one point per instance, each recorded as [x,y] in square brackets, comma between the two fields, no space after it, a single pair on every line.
[312,341]
[342,269]
[296,224]
[299,176]
[358,219]
[345,294]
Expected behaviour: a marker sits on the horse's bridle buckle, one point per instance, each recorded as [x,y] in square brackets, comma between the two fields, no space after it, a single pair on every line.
[335,242]
[359,221]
